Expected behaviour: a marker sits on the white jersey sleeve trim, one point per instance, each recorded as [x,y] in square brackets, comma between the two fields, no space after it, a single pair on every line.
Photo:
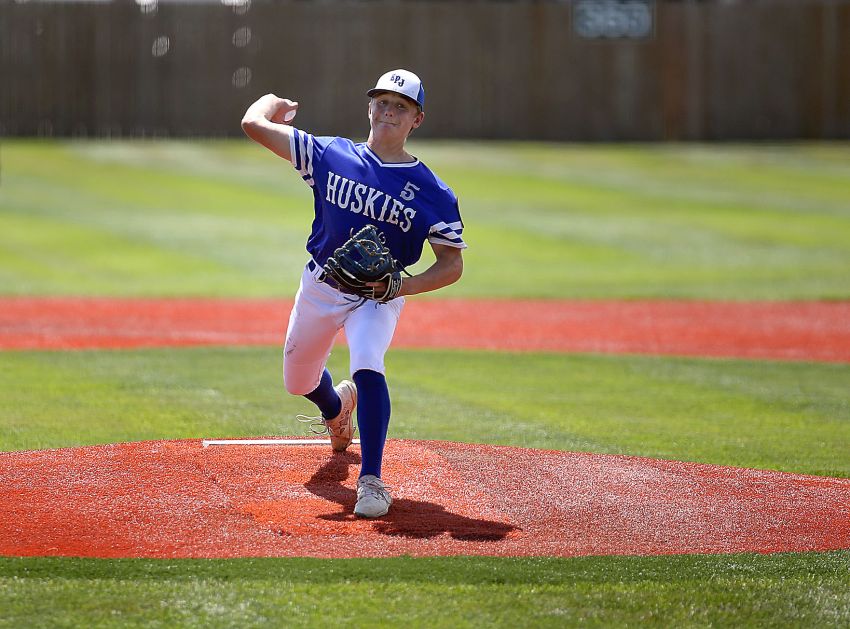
[447,234]
[301,147]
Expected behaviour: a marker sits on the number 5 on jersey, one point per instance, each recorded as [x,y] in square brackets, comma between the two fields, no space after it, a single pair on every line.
[409,191]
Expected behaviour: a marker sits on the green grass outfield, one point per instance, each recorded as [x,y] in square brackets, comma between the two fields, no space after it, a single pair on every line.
[552,221]
[770,415]
[231,219]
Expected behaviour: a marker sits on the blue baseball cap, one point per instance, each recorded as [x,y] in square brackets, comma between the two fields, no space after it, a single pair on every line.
[402,82]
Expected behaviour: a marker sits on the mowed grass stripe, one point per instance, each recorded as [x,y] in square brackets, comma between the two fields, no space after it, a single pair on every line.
[226,218]
[144,230]
[772,415]
[789,590]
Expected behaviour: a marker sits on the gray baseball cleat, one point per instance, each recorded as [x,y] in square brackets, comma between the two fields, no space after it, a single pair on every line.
[373,499]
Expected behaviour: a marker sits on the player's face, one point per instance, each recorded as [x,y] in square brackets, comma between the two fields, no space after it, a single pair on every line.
[394,115]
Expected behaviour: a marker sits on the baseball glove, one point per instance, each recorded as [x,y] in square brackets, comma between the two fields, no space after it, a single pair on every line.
[364,258]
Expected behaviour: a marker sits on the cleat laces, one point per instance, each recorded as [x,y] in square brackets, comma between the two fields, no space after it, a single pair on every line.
[317,425]
[376,489]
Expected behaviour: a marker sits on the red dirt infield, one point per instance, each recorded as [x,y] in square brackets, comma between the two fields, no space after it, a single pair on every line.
[176,499]
[817,331]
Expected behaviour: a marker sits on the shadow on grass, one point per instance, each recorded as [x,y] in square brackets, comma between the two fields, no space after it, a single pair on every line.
[416,519]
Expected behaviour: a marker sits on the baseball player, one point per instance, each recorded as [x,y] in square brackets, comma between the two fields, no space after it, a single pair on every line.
[357,184]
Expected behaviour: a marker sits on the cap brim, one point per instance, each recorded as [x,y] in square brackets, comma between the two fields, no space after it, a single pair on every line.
[374,91]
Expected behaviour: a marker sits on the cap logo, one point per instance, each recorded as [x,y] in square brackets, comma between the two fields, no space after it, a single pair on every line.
[395,78]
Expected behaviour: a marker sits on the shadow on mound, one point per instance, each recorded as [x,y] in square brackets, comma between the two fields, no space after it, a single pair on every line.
[177,499]
[416,519]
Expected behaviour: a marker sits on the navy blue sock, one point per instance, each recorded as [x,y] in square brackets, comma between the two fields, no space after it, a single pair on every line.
[325,397]
[373,419]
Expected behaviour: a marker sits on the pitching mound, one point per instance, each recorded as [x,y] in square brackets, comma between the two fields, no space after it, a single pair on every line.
[177,499]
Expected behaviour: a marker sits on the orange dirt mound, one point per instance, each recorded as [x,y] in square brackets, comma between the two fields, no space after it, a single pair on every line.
[177,499]
[763,330]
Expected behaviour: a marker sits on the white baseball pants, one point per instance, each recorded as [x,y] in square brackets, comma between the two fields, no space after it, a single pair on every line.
[320,311]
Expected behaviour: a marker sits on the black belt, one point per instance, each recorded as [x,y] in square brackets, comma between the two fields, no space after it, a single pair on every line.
[319,274]
[313,267]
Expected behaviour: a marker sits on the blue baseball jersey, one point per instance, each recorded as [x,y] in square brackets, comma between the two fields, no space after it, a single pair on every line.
[352,187]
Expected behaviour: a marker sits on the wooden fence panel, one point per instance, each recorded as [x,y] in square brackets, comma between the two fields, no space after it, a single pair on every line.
[512,70]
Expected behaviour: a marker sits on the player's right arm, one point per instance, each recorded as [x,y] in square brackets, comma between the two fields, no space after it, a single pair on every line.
[267,123]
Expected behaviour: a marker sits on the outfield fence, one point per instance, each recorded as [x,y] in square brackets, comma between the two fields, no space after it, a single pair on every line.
[584,70]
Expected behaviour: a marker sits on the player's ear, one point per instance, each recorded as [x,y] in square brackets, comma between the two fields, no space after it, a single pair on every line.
[419,118]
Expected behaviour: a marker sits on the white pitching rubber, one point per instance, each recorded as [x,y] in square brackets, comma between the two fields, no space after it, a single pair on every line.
[268,442]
